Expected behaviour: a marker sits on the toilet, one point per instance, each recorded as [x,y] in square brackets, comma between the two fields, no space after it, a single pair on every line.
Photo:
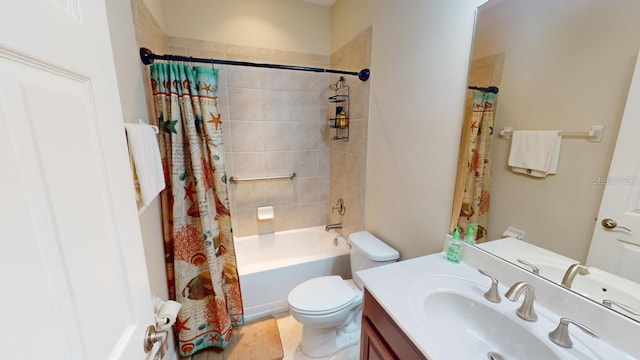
[330,307]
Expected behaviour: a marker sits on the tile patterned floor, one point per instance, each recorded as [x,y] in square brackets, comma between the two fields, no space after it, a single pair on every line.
[290,334]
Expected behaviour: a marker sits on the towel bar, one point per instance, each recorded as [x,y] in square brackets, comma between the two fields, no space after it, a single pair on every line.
[595,134]
[234,179]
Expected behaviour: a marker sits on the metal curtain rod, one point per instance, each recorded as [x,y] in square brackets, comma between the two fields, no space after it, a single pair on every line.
[147,56]
[490,89]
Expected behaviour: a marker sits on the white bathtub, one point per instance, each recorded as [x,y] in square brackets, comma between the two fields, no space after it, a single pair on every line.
[271,265]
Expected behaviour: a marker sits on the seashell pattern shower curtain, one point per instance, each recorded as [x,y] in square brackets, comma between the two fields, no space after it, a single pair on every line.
[199,251]
[477,188]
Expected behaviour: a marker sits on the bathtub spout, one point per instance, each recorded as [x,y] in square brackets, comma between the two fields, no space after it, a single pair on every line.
[333,226]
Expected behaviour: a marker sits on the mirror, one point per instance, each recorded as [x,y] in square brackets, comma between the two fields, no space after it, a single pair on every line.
[560,65]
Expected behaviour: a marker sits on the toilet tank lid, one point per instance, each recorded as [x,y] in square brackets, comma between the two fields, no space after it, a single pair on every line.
[373,247]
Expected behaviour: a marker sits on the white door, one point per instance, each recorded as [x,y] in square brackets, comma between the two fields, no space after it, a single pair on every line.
[618,250]
[73,280]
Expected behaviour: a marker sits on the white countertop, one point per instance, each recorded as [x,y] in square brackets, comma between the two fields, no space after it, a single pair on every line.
[400,289]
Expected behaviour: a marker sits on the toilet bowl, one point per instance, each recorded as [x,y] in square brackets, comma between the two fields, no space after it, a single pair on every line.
[330,307]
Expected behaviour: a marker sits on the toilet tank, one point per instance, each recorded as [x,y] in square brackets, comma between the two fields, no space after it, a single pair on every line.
[368,251]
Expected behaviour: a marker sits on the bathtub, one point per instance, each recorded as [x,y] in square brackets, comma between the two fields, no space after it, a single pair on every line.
[271,265]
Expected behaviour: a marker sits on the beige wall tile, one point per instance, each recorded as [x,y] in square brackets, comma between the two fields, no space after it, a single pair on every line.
[323,189]
[243,77]
[278,163]
[304,106]
[250,195]
[244,222]
[305,215]
[305,163]
[246,136]
[323,163]
[276,79]
[304,81]
[283,218]
[276,105]
[244,104]
[348,159]
[305,136]
[278,136]
[306,190]
[248,164]
[280,192]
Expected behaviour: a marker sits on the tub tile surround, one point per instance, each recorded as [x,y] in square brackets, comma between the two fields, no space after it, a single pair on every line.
[276,128]
[348,160]
[277,124]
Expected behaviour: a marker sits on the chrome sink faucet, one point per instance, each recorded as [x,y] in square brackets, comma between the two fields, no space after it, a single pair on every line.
[526,311]
[571,273]
[560,335]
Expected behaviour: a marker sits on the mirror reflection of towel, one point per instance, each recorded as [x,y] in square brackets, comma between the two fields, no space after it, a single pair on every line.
[535,153]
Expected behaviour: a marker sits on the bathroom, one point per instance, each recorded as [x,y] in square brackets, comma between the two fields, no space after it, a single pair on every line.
[411,107]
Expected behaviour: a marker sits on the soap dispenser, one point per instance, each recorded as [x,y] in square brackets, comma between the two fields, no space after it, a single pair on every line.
[454,249]
[470,238]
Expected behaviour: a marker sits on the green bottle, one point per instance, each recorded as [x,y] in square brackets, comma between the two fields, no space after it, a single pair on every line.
[471,238]
[454,249]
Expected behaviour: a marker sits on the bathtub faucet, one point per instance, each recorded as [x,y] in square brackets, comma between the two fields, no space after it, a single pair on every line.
[333,226]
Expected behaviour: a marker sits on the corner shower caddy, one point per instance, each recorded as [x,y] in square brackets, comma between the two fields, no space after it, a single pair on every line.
[340,99]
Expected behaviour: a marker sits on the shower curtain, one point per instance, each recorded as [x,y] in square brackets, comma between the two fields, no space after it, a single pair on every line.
[476,196]
[199,251]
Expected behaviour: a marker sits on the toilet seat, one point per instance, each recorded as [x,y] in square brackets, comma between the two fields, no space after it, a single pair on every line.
[322,295]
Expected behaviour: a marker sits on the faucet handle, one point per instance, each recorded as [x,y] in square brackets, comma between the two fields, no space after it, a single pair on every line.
[561,337]
[534,269]
[624,307]
[492,294]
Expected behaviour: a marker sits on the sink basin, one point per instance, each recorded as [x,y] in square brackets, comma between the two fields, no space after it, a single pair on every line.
[476,328]
[441,308]
[599,285]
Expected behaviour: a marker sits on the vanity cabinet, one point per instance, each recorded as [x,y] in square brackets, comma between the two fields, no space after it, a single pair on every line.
[381,338]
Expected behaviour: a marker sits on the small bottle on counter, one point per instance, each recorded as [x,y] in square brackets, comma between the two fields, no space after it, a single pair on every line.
[454,248]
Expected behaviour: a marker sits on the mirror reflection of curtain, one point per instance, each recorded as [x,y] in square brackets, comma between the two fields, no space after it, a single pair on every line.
[474,199]
[199,251]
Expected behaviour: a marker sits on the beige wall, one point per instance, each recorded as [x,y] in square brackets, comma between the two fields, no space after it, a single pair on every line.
[156,10]
[419,63]
[133,91]
[349,18]
[288,25]
[567,66]
[132,87]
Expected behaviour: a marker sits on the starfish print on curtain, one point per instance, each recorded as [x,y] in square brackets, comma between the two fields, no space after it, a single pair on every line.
[200,256]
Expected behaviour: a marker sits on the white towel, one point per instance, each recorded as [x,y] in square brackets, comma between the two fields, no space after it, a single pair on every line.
[144,149]
[535,153]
